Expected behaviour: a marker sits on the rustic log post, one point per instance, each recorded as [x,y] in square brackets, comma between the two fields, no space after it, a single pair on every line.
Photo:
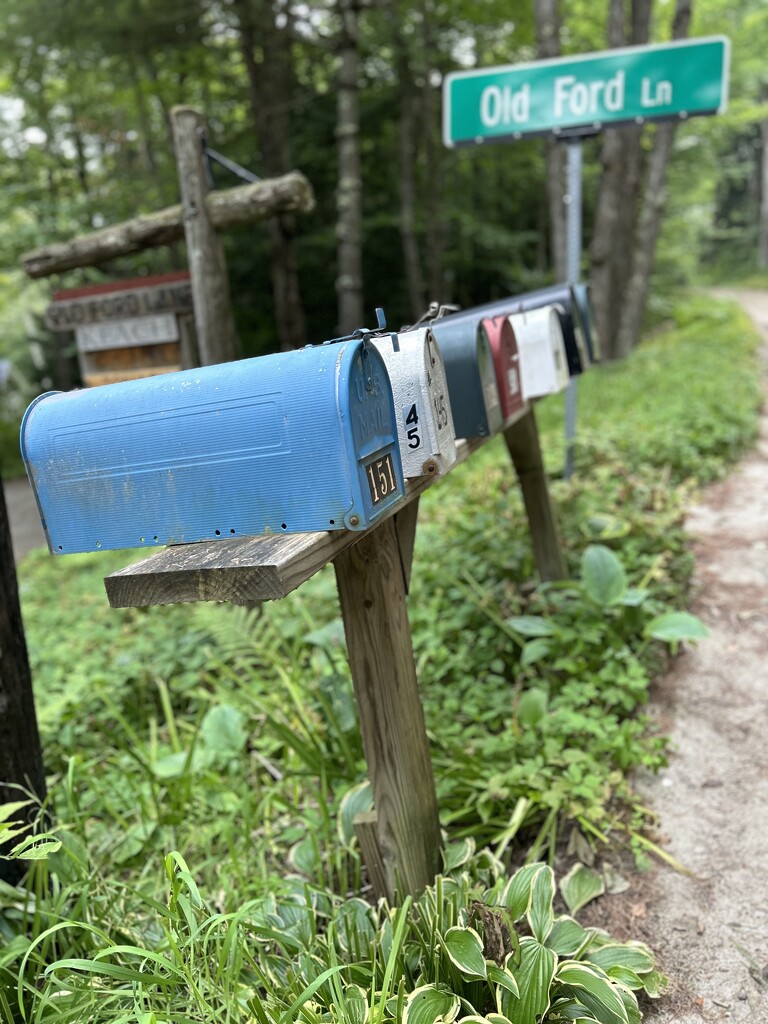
[216,337]
[372,593]
[21,758]
[231,208]
[522,439]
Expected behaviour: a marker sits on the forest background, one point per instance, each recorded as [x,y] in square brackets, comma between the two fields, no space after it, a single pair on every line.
[349,92]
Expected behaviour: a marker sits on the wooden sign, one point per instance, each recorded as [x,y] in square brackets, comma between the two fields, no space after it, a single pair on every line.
[126,330]
[138,330]
[120,300]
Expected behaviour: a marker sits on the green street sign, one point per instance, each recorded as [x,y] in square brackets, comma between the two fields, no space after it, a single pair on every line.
[586,92]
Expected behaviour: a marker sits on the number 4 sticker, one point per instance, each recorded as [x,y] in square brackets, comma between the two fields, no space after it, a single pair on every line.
[411,418]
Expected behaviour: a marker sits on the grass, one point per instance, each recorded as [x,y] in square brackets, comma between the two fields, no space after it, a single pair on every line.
[230,738]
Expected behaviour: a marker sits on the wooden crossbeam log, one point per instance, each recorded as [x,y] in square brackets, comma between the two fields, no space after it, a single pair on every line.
[245,204]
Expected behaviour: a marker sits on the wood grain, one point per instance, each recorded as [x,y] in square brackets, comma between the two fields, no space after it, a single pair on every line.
[245,204]
[522,440]
[369,576]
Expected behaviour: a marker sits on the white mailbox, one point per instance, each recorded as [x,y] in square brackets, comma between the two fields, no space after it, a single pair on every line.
[543,362]
[422,409]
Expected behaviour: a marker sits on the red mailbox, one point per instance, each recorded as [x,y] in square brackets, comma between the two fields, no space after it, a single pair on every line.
[506,362]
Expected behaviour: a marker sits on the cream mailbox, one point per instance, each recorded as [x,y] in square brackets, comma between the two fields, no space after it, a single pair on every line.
[576,339]
[293,442]
[471,376]
[506,360]
[543,364]
[422,405]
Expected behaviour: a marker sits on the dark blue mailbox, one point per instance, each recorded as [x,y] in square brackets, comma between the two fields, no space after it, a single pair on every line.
[294,442]
[471,375]
[561,296]
[583,296]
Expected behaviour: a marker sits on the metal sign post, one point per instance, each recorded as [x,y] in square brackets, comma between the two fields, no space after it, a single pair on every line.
[572,260]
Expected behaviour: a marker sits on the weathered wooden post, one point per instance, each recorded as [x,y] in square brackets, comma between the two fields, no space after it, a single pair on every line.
[522,440]
[372,591]
[216,336]
[21,758]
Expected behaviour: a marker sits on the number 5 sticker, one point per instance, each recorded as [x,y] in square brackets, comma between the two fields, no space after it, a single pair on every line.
[411,419]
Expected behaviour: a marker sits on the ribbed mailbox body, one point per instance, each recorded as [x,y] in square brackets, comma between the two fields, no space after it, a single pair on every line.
[506,361]
[471,376]
[543,363]
[293,442]
[422,403]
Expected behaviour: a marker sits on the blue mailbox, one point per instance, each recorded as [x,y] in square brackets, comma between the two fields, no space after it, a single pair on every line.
[293,442]
[471,375]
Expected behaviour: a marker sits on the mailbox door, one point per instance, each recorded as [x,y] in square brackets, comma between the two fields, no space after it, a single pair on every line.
[501,338]
[371,438]
[471,377]
[422,405]
[542,357]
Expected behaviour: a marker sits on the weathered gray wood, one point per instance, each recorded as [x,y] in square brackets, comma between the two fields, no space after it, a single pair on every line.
[21,758]
[243,570]
[405,527]
[216,336]
[522,440]
[372,595]
[67,314]
[246,204]
[367,832]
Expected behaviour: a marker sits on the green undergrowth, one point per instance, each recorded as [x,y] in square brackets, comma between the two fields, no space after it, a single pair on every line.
[230,735]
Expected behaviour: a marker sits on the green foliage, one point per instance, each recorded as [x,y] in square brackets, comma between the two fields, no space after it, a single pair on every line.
[476,944]
[230,736]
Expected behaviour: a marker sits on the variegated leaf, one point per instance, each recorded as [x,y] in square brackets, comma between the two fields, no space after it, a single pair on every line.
[533,975]
[465,948]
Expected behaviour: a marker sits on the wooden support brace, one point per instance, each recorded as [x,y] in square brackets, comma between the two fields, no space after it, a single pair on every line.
[522,439]
[367,832]
[372,593]
[230,208]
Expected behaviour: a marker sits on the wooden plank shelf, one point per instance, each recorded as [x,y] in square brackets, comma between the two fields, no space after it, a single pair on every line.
[246,569]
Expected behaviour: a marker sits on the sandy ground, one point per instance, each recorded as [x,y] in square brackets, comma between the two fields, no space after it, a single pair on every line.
[710,930]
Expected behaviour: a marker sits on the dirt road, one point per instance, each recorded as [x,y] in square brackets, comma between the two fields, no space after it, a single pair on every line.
[26,531]
[711,931]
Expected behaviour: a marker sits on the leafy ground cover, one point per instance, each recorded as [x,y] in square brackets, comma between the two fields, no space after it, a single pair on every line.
[206,765]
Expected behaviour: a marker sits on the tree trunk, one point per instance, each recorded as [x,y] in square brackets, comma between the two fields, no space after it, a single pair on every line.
[618,197]
[270,86]
[21,759]
[649,223]
[548,45]
[407,157]
[349,194]
[433,165]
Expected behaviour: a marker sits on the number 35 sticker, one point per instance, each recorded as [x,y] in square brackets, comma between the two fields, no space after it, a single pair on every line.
[411,419]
